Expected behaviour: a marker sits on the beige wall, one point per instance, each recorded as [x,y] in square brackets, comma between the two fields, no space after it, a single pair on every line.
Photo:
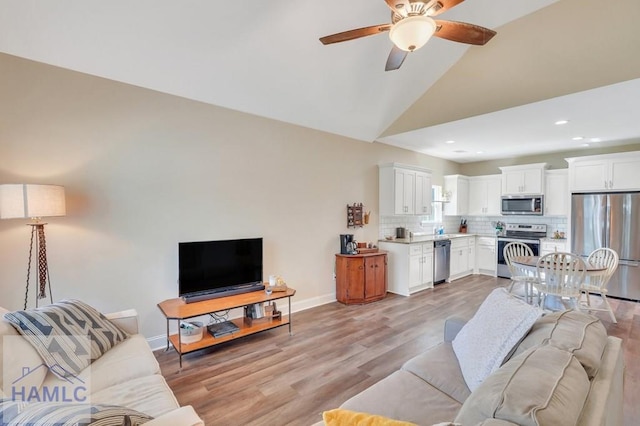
[555,161]
[145,170]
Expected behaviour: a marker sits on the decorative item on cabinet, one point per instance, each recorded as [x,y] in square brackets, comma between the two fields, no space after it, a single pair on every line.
[356,215]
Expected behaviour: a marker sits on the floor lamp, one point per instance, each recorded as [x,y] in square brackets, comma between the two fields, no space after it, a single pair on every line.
[35,202]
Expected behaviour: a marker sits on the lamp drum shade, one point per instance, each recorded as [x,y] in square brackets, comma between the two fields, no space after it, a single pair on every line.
[30,201]
[412,32]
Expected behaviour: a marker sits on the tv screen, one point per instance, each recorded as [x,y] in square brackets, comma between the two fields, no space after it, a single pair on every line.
[213,267]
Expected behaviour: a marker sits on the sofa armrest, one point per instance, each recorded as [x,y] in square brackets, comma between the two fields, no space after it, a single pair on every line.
[452,326]
[126,320]
[183,416]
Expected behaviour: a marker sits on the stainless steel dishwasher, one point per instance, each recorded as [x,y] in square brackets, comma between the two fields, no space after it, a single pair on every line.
[441,260]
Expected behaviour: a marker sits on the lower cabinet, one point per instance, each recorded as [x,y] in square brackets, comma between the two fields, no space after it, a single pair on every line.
[410,266]
[361,278]
[552,245]
[463,254]
[486,258]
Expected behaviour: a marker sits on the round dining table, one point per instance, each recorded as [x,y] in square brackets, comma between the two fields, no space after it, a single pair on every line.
[530,264]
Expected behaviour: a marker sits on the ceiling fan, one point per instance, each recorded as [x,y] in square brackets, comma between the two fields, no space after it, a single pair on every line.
[412,26]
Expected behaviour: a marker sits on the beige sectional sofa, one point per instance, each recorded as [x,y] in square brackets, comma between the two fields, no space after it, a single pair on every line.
[127,375]
[565,371]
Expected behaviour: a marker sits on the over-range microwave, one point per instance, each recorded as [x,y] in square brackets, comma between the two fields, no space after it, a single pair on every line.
[522,205]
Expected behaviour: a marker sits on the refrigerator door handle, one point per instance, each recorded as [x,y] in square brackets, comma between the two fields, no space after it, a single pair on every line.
[629,263]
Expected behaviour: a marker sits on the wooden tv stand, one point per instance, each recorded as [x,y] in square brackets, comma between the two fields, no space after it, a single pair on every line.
[176,309]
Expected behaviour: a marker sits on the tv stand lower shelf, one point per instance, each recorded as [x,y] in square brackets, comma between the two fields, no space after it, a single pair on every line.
[177,310]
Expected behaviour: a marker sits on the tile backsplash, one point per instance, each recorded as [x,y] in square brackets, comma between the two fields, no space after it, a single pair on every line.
[475,224]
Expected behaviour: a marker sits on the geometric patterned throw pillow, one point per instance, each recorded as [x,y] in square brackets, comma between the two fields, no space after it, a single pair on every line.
[69,335]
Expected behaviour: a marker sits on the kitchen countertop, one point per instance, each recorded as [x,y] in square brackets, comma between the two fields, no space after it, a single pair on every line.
[559,240]
[426,238]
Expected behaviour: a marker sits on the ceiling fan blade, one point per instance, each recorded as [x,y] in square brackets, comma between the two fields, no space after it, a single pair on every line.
[395,59]
[443,6]
[463,32]
[353,34]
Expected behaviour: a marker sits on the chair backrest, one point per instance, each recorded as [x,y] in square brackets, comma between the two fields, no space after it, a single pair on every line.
[603,257]
[561,273]
[513,250]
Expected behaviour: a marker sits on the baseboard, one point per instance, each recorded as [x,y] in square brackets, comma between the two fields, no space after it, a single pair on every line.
[160,342]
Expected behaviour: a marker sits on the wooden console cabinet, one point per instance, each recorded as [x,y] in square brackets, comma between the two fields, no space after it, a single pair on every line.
[361,278]
[176,309]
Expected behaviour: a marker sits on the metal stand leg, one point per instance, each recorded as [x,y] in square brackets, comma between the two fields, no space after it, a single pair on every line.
[167,335]
[290,316]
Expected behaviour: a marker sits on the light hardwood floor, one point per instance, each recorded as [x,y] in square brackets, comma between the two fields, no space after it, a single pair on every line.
[337,351]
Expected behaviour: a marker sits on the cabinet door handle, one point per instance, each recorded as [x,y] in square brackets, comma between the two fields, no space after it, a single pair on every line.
[610,184]
[605,185]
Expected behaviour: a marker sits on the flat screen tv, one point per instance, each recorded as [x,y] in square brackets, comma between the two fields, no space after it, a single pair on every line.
[210,269]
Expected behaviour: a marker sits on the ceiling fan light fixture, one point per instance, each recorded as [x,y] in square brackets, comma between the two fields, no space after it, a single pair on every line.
[412,33]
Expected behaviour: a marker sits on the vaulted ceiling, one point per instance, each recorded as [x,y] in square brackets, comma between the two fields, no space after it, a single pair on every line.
[264,58]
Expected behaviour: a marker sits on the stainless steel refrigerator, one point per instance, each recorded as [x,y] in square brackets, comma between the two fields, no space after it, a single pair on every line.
[610,220]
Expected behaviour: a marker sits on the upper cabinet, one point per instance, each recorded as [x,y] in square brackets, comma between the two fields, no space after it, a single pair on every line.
[404,190]
[525,179]
[609,172]
[484,195]
[556,194]
[423,193]
[456,192]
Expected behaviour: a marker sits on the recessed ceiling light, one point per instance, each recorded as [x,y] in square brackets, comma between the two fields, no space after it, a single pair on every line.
[595,140]
[561,122]
[479,152]
[450,142]
[585,144]
[578,138]
[459,151]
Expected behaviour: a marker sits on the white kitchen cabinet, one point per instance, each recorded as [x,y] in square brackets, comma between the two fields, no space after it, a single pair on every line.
[486,256]
[525,179]
[556,193]
[609,172]
[461,256]
[404,190]
[552,245]
[409,266]
[456,190]
[484,195]
[423,193]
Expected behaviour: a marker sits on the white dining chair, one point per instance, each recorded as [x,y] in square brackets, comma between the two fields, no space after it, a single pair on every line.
[521,280]
[560,275]
[597,283]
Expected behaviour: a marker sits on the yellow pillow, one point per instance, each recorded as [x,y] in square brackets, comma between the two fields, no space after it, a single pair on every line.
[340,417]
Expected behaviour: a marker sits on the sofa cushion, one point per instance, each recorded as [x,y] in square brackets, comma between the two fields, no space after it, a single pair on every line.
[22,366]
[404,396]
[63,413]
[68,335]
[574,331]
[340,416]
[439,367]
[128,360]
[150,395]
[484,342]
[543,386]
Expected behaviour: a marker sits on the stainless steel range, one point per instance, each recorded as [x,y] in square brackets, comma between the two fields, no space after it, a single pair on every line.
[523,233]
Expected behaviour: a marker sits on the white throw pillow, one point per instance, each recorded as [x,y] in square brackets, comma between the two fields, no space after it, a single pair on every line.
[483,343]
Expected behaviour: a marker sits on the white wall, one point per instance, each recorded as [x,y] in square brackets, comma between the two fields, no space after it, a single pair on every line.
[145,170]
